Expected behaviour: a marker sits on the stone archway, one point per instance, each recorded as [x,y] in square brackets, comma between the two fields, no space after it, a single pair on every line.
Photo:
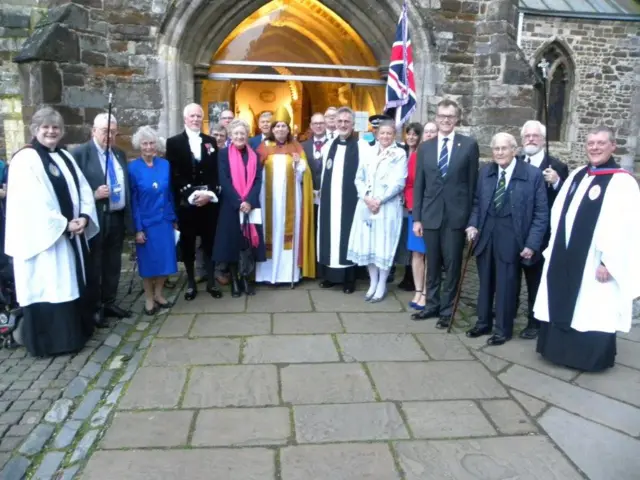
[193,30]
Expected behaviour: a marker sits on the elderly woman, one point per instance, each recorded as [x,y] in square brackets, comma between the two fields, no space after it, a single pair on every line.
[377,222]
[287,207]
[154,218]
[240,175]
[51,215]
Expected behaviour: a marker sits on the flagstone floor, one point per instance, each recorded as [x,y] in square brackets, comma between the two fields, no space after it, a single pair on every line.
[312,384]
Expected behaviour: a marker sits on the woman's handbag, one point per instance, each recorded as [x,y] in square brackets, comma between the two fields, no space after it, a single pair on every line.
[246,261]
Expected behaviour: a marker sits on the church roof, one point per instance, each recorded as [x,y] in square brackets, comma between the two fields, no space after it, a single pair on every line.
[628,10]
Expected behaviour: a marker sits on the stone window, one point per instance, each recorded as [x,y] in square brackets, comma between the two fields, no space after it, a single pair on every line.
[560,82]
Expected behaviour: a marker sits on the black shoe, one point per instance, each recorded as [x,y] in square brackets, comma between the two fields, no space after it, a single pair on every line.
[443,322]
[113,310]
[531,330]
[214,291]
[392,275]
[151,312]
[349,288]
[327,284]
[496,340]
[249,290]
[164,305]
[99,321]
[476,332]
[191,293]
[425,314]
[235,288]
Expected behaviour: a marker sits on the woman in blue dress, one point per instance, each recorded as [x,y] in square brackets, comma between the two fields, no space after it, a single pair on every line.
[154,218]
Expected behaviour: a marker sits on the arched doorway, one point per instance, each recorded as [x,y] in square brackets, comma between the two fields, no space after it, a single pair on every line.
[194,33]
[293,55]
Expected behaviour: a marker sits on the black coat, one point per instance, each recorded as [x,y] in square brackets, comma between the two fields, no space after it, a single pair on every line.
[528,202]
[229,236]
[445,201]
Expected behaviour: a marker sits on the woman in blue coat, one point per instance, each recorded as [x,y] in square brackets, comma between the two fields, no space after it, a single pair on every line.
[154,218]
[240,176]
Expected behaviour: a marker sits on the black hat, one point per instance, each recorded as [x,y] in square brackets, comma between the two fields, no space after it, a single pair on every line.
[375,120]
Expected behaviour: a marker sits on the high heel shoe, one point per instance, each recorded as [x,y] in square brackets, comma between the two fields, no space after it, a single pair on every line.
[417,306]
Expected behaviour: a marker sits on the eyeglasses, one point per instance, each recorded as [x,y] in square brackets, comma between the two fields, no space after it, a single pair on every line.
[447,117]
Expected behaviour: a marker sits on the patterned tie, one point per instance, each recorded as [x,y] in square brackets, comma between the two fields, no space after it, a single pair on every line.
[443,161]
[318,144]
[498,197]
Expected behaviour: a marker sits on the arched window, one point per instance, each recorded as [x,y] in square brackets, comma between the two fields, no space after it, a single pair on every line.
[559,84]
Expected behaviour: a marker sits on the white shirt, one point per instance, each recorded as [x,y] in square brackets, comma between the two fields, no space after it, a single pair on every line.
[449,144]
[536,161]
[332,134]
[509,171]
[195,143]
[119,205]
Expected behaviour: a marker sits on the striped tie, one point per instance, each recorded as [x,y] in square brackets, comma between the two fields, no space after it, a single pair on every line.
[498,197]
[443,161]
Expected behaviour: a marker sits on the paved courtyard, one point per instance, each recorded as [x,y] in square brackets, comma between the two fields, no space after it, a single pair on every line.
[312,384]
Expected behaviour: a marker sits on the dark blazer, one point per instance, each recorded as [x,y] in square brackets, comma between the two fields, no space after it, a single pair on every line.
[182,165]
[528,202]
[254,142]
[445,202]
[316,165]
[88,160]
[562,170]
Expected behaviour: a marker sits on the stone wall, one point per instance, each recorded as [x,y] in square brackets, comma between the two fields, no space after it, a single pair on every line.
[606,87]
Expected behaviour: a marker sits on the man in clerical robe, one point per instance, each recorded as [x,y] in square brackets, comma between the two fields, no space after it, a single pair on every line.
[338,200]
[592,264]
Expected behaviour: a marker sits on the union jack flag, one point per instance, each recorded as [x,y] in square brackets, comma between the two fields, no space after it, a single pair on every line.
[401,84]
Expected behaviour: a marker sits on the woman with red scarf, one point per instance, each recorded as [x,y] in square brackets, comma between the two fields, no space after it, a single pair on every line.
[240,175]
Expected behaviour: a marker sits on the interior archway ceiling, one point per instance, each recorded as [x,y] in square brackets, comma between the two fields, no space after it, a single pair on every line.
[295,31]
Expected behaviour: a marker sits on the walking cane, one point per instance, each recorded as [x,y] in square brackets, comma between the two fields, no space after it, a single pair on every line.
[457,299]
[294,251]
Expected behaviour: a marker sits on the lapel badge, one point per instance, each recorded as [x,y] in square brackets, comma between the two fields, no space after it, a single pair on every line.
[155,185]
[329,164]
[54,170]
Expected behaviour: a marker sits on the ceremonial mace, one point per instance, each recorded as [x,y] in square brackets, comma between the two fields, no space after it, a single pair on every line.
[544,66]
[294,252]
[457,299]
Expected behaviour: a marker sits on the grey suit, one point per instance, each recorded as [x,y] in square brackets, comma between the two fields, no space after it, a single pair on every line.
[443,205]
[106,248]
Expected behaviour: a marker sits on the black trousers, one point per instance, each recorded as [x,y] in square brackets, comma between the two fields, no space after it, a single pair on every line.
[532,275]
[196,222]
[444,247]
[105,259]
[497,278]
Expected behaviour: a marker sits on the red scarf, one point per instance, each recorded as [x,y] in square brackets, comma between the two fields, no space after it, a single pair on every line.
[242,180]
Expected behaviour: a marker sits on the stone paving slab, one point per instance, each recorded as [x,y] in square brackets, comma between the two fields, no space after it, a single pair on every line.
[578,400]
[176,326]
[204,303]
[196,464]
[325,383]
[231,324]
[620,382]
[155,387]
[380,347]
[273,301]
[301,323]
[328,301]
[628,353]
[148,429]
[386,323]
[508,417]
[197,351]
[338,462]
[444,347]
[290,349]
[348,422]
[601,453]
[531,458]
[447,419]
[232,386]
[242,427]
[445,380]
[532,405]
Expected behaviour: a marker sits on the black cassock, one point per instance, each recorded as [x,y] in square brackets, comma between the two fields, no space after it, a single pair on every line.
[338,202]
[187,175]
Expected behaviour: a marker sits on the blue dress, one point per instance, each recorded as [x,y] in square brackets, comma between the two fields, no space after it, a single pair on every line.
[153,214]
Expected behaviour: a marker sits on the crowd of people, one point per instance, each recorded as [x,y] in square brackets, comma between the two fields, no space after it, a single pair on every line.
[336,208]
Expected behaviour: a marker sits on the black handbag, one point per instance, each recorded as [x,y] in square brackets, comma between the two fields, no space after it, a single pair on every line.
[246,260]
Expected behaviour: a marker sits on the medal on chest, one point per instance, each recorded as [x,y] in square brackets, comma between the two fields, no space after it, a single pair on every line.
[155,185]
[54,170]
[594,192]
[329,164]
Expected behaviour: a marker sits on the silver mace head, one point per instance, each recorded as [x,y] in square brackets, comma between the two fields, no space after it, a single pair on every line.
[544,66]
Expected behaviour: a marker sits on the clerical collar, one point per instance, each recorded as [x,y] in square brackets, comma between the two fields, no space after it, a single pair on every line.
[611,163]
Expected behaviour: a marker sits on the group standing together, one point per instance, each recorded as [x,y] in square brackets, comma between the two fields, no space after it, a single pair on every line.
[271,208]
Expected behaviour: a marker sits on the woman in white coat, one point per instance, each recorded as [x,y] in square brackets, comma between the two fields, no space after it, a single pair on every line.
[50,216]
[377,222]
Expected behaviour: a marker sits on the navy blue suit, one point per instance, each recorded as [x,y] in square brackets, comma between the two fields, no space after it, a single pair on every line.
[520,223]
[254,142]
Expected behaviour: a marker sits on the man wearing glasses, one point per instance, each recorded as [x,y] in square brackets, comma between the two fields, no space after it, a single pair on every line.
[445,183]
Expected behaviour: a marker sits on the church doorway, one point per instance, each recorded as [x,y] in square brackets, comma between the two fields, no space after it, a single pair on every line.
[297,56]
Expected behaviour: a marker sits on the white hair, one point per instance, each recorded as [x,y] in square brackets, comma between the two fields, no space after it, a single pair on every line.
[145,133]
[186,110]
[103,119]
[534,124]
[238,122]
[504,135]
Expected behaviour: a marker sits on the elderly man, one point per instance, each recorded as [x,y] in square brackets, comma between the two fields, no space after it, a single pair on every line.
[226,117]
[445,182]
[107,175]
[592,270]
[533,136]
[264,124]
[330,118]
[194,170]
[511,215]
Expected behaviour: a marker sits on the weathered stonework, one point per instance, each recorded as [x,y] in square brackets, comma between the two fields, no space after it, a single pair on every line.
[606,80]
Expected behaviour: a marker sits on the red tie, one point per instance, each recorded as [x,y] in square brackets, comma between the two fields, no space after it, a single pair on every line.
[318,144]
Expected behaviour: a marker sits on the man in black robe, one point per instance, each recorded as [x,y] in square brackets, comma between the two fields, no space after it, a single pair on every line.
[194,176]
[338,199]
